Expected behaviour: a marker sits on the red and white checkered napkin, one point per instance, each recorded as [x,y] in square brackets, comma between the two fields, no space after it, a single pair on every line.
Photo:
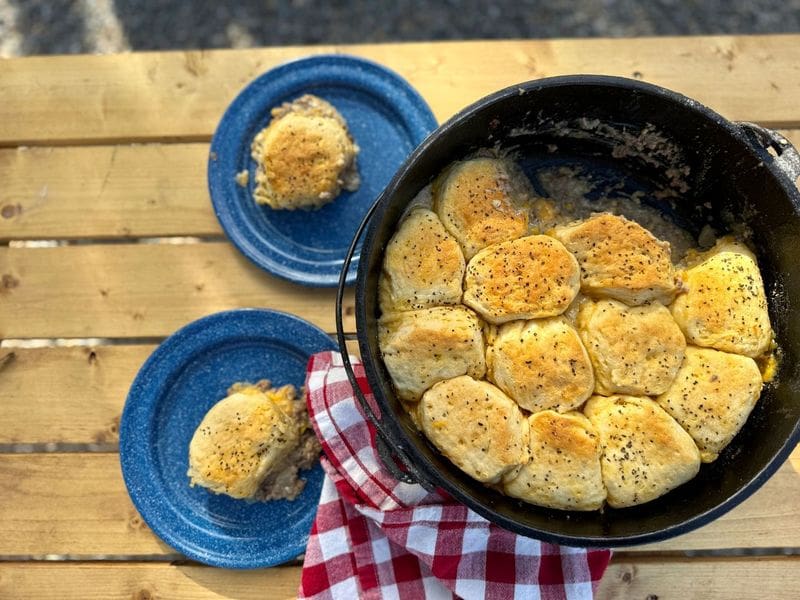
[376,537]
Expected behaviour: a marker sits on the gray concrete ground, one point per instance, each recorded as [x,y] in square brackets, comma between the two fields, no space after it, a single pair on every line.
[60,26]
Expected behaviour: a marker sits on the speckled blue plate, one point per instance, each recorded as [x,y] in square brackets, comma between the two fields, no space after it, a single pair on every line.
[386,117]
[182,379]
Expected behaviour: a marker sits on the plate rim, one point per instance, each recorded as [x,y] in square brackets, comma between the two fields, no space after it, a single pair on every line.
[220,192]
[138,477]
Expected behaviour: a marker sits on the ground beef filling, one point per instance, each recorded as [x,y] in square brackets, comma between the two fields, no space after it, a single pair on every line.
[283,481]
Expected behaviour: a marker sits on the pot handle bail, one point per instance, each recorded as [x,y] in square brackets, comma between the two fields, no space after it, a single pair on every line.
[786,159]
[389,455]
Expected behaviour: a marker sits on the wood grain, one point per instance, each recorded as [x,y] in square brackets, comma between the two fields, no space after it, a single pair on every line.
[128,191]
[628,577]
[743,578]
[66,395]
[105,192]
[73,504]
[83,179]
[143,581]
[182,95]
[77,504]
[141,290]
[69,395]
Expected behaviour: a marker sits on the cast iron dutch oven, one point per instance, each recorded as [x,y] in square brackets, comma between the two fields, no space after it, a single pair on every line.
[674,154]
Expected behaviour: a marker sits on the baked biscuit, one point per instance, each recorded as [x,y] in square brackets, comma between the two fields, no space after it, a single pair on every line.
[304,157]
[645,453]
[712,396]
[423,265]
[526,278]
[480,429]
[564,468]
[634,349]
[241,439]
[541,364]
[424,346]
[482,201]
[620,259]
[724,305]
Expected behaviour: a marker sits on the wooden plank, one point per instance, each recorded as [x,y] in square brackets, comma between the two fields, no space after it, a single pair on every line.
[181,95]
[127,191]
[77,504]
[141,290]
[143,581]
[743,578]
[68,395]
[73,504]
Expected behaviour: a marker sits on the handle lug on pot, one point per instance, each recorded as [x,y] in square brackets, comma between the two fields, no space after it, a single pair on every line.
[787,157]
[388,460]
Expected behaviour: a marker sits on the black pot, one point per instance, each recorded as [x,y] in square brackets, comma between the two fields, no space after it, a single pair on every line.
[696,167]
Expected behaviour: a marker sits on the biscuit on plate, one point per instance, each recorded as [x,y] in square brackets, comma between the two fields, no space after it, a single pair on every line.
[620,259]
[474,424]
[564,468]
[526,278]
[305,156]
[243,438]
[482,201]
[645,453]
[422,347]
[422,266]
[712,396]
[541,364]
[634,349]
[724,305]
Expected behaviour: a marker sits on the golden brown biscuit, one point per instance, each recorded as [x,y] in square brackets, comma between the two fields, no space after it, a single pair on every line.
[482,201]
[724,305]
[620,259]
[564,469]
[541,364]
[526,278]
[480,429]
[712,396]
[634,349]
[241,439]
[423,265]
[422,347]
[645,453]
[304,157]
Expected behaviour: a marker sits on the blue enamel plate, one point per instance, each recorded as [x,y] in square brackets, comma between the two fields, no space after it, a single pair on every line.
[186,375]
[386,117]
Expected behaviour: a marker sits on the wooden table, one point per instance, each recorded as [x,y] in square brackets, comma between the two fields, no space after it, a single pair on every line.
[102,154]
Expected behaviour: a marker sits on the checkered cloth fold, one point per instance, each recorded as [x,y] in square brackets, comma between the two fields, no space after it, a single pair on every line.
[376,537]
